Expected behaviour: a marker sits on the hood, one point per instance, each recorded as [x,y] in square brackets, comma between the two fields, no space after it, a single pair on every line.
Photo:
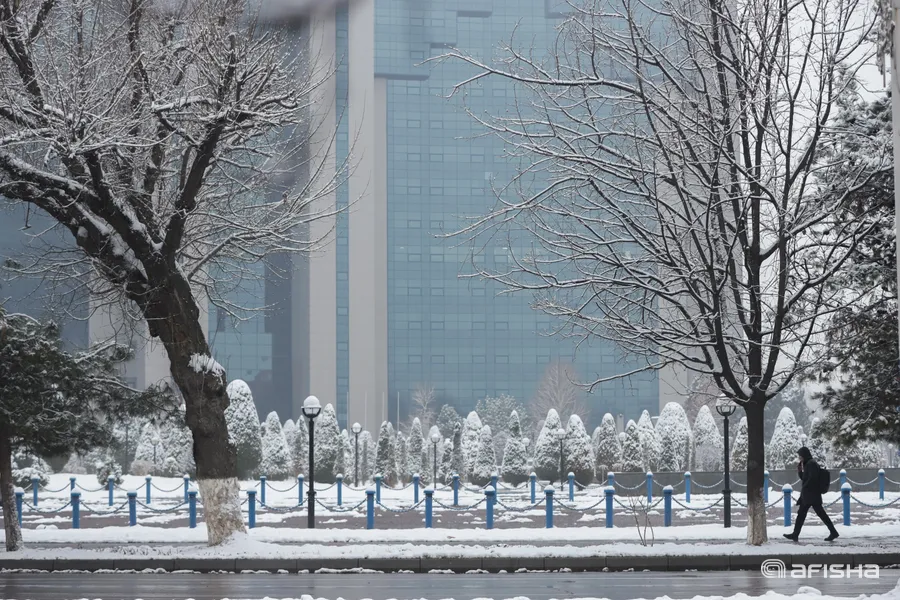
[804,453]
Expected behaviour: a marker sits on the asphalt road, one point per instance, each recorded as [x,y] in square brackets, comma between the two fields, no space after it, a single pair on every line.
[542,586]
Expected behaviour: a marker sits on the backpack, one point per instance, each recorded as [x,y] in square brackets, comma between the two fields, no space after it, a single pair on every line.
[824,480]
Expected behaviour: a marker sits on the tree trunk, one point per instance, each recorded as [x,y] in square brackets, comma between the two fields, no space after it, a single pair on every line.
[202,384]
[756,466]
[10,517]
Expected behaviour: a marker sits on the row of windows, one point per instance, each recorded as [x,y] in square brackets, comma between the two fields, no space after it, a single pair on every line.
[498,359]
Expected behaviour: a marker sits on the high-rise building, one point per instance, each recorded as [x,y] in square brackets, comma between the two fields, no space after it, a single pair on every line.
[389,312]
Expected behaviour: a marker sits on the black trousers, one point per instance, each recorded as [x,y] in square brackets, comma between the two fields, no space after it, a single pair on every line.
[820,512]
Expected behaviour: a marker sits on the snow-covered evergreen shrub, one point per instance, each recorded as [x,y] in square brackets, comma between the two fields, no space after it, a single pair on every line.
[862,454]
[402,456]
[515,455]
[76,465]
[178,447]
[546,449]
[415,447]
[109,468]
[675,439]
[326,444]
[471,436]
[577,454]
[709,448]
[148,455]
[739,447]
[486,461]
[276,463]
[458,460]
[367,450]
[819,445]
[447,419]
[386,456]
[432,457]
[25,466]
[782,450]
[445,473]
[609,450]
[632,452]
[289,429]
[343,464]
[242,420]
[300,446]
[649,442]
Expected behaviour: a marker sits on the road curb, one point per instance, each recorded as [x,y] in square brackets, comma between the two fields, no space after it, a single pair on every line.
[738,562]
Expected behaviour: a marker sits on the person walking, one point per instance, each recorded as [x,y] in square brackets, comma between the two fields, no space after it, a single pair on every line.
[810,495]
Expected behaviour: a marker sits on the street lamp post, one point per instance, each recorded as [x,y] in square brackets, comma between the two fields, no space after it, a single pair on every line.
[356,429]
[561,435]
[726,408]
[435,440]
[311,410]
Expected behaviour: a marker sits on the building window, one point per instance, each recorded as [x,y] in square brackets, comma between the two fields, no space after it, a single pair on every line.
[437,359]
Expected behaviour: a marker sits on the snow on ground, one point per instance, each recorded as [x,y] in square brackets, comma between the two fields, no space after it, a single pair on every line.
[803,593]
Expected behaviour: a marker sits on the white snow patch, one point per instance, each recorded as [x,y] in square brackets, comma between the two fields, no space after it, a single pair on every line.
[202,363]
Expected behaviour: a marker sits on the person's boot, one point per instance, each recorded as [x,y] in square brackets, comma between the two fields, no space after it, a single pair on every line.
[792,536]
[834,535]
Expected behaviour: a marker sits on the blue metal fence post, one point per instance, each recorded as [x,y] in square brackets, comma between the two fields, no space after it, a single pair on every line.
[71,484]
[416,479]
[611,479]
[339,482]
[192,509]
[667,506]
[370,508]
[76,510]
[687,486]
[495,478]
[378,489]
[533,478]
[456,489]
[429,499]
[787,490]
[766,486]
[300,489]
[649,487]
[548,491]
[610,490]
[262,490]
[845,496]
[20,500]
[149,483]
[36,484]
[880,486]
[251,508]
[571,486]
[490,495]
[132,509]
[187,485]
[843,477]
[111,486]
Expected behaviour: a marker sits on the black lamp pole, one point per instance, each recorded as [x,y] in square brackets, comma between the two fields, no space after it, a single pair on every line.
[356,460]
[726,408]
[311,410]
[561,435]
[434,470]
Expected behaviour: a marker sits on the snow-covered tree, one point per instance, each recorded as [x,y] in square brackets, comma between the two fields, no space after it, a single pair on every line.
[108,467]
[819,446]
[343,465]
[558,390]
[415,448]
[290,438]
[546,449]
[445,472]
[447,419]
[632,451]
[649,442]
[471,436]
[424,401]
[26,466]
[699,235]
[276,461]
[709,449]
[300,445]
[367,450]
[178,181]
[326,444]
[386,456]
[608,455]
[577,454]
[793,397]
[486,461]
[126,435]
[402,457]
[433,455]
[242,420]
[148,456]
[739,447]
[515,455]
[675,439]
[782,450]
[863,454]
[177,443]
[494,412]
[458,460]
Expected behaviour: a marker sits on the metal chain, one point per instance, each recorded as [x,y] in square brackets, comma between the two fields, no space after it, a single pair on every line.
[118,509]
[715,485]
[159,489]
[520,509]
[857,483]
[402,510]
[886,478]
[62,489]
[584,510]
[84,489]
[275,489]
[458,508]
[46,512]
[339,510]
[161,510]
[625,487]
[858,501]
[699,508]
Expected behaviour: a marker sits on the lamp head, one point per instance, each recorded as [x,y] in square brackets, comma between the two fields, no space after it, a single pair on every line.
[356,428]
[726,406]
[435,438]
[560,434]
[311,407]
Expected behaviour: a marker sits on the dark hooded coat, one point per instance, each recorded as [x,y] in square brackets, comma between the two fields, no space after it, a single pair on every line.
[809,476]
